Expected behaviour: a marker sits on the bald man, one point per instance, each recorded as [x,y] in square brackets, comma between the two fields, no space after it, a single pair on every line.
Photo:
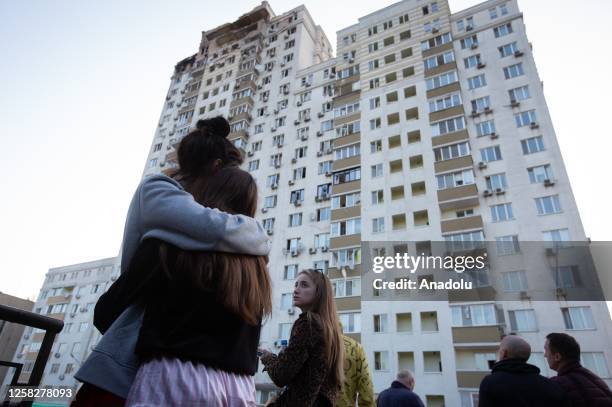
[400,393]
[514,382]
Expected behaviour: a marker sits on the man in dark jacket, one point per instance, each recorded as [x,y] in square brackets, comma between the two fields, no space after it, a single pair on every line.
[400,393]
[583,387]
[514,382]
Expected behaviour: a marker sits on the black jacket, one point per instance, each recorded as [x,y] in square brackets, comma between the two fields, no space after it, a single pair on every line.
[583,387]
[514,383]
[180,320]
[398,395]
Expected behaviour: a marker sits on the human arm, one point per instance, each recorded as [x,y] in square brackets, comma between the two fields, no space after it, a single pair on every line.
[171,214]
[129,286]
[283,367]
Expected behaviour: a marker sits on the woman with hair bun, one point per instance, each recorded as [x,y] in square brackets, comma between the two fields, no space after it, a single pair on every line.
[167,208]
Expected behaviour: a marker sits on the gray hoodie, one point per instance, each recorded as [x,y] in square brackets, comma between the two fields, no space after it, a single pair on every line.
[162,209]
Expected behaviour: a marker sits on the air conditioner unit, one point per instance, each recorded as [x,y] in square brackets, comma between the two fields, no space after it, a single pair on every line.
[279,145]
[469,28]
[293,160]
[77,296]
[277,165]
[499,191]
[296,122]
[313,217]
[259,87]
[550,251]
[61,377]
[250,153]
[72,315]
[307,84]
[282,63]
[474,113]
[524,295]
[487,192]
[291,182]
[320,114]
[286,91]
[265,98]
[328,151]
[297,203]
[295,253]
[434,30]
[561,292]
[474,46]
[332,75]
[299,103]
[83,309]
[270,232]
[488,109]
[19,355]
[482,165]
[549,182]
[307,118]
[319,133]
[57,355]
[493,135]
[324,249]
[286,36]
[534,125]
[290,311]
[518,53]
[274,186]
[264,210]
[312,250]
[275,111]
[514,103]
[317,198]
[273,129]
[304,137]
[328,174]
[481,65]
[319,153]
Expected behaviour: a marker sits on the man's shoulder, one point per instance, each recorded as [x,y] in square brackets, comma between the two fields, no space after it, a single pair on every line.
[160,180]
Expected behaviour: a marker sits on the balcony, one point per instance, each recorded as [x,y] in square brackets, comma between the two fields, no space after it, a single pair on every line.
[458,197]
[476,334]
[449,138]
[345,241]
[346,163]
[440,69]
[466,223]
[470,379]
[346,187]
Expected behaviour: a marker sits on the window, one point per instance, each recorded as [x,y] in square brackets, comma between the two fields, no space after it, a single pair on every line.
[346,257]
[268,225]
[445,102]
[578,318]
[381,361]
[477,81]
[472,61]
[346,288]
[556,236]
[493,13]
[455,179]
[441,59]
[346,201]
[253,165]
[532,145]
[490,154]
[540,173]
[508,49]
[481,104]
[496,181]
[348,227]
[502,30]
[377,197]
[375,124]
[523,320]
[485,128]
[378,225]
[548,205]
[377,170]
[448,126]
[518,94]
[513,71]
[507,245]
[452,151]
[347,176]
[270,201]
[372,30]
[403,19]
[502,212]
[380,323]
[568,277]
[473,315]
[404,35]
[321,240]
[297,196]
[469,42]
[351,322]
[595,362]
[286,301]
[295,219]
[441,80]
[374,103]
[388,41]
[514,281]
[323,214]
[525,118]
[436,41]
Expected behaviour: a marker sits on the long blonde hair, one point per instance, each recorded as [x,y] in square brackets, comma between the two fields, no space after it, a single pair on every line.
[323,309]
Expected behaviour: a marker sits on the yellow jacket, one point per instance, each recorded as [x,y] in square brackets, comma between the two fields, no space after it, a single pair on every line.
[357,378]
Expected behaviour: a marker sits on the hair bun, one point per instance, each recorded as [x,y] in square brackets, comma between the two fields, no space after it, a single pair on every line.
[215,126]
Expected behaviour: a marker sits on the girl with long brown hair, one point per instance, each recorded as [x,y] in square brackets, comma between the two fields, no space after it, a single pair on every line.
[311,366]
[203,311]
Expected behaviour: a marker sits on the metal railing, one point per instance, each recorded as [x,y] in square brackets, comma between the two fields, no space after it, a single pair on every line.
[51,326]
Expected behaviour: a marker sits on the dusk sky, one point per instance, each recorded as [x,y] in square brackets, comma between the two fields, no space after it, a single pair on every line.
[83,85]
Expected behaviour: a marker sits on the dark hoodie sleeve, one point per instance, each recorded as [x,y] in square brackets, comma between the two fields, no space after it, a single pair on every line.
[130,286]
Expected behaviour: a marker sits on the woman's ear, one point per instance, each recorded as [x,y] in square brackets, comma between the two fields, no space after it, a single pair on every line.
[217,164]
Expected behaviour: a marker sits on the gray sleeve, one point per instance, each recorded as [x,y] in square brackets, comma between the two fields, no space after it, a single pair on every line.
[170,213]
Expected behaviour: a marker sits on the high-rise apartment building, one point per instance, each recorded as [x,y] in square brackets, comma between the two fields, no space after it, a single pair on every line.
[427,126]
[68,293]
